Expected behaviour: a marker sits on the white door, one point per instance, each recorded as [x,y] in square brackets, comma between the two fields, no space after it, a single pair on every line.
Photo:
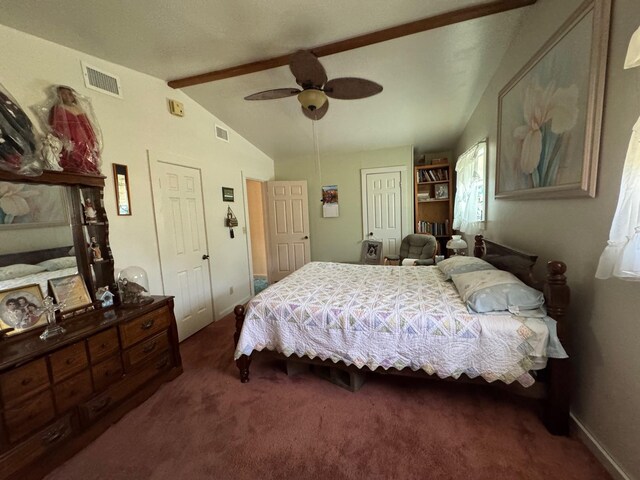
[177,197]
[288,226]
[382,202]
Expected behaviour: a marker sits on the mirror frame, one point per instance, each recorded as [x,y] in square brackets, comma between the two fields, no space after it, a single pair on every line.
[121,173]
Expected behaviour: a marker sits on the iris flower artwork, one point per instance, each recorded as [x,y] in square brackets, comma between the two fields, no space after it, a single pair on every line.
[23,205]
[549,114]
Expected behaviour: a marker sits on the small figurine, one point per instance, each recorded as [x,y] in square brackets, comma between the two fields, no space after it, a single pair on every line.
[90,214]
[94,246]
[105,296]
[53,329]
[133,293]
[50,152]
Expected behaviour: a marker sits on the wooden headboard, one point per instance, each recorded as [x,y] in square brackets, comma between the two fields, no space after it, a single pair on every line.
[35,256]
[506,258]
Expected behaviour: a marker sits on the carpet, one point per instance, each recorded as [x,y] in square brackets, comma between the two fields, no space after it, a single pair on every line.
[207,425]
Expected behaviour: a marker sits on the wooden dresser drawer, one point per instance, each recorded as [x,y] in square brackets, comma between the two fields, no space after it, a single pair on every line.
[103,345]
[136,330]
[119,391]
[36,445]
[145,350]
[107,372]
[21,381]
[31,414]
[73,391]
[68,361]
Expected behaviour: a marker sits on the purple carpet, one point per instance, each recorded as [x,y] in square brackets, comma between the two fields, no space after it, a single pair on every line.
[207,425]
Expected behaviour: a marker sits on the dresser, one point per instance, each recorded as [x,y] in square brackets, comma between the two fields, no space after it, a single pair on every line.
[58,395]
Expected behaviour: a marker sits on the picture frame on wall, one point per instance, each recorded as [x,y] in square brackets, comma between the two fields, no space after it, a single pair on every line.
[227,194]
[550,113]
[32,206]
[123,195]
[21,309]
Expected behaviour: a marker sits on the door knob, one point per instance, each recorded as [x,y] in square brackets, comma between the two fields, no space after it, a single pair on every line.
[205,257]
[306,237]
[371,234]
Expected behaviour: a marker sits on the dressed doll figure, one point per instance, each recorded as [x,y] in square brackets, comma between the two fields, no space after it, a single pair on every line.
[70,123]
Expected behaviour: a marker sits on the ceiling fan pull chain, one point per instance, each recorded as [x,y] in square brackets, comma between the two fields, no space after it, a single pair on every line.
[316,147]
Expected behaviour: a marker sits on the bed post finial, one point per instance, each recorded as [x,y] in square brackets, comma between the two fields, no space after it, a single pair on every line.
[478,248]
[557,294]
[244,361]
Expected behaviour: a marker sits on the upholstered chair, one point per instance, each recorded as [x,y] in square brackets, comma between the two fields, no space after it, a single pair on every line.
[421,247]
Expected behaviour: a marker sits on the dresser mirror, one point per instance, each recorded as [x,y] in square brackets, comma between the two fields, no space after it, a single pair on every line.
[36,238]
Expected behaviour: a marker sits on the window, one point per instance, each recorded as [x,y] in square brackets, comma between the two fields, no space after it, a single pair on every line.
[470,204]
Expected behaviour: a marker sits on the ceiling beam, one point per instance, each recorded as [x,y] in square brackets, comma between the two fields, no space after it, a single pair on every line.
[429,23]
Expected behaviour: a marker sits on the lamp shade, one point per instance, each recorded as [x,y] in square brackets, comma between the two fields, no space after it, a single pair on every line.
[312,99]
[456,243]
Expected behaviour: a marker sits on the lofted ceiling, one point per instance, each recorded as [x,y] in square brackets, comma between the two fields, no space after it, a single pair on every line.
[432,80]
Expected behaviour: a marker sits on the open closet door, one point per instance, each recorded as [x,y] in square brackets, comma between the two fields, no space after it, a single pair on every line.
[288,225]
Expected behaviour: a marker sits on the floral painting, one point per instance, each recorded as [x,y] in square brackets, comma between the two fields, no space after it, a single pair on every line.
[34,205]
[549,114]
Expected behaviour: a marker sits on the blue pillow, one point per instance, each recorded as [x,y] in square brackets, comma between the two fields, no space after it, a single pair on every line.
[495,291]
[462,264]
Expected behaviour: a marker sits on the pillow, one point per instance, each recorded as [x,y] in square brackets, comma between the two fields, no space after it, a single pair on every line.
[496,290]
[462,264]
[19,270]
[58,263]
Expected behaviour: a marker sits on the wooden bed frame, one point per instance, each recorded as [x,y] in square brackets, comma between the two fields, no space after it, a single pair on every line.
[553,383]
[35,256]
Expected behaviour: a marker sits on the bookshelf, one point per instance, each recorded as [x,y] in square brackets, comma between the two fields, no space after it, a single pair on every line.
[433,190]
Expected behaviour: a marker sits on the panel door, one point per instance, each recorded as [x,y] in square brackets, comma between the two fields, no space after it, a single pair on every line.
[183,246]
[384,210]
[288,221]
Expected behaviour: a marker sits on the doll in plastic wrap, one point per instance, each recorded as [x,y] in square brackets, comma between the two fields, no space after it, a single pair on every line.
[71,120]
[17,138]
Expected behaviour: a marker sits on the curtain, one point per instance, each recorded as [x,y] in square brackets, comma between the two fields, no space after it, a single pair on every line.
[621,256]
[469,206]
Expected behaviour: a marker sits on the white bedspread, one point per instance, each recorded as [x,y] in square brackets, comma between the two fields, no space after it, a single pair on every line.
[391,317]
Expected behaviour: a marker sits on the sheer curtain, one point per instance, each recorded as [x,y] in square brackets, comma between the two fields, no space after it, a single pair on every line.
[621,256]
[469,206]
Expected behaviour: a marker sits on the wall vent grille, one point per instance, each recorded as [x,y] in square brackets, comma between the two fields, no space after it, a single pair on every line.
[101,81]
[222,133]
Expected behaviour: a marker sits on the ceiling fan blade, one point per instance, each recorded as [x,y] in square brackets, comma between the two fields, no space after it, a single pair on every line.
[273,94]
[350,88]
[307,69]
[318,113]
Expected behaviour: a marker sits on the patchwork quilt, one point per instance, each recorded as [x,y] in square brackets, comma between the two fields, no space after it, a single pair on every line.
[400,317]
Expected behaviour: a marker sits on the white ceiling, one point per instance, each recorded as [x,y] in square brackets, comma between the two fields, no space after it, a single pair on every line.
[432,80]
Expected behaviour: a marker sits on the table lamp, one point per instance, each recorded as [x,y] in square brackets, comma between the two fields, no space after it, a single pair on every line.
[457,245]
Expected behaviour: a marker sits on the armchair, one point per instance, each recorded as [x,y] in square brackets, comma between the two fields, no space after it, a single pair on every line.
[421,247]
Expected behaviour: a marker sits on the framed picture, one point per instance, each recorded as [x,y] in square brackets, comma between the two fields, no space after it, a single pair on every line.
[71,291]
[21,308]
[550,113]
[32,205]
[442,191]
[121,182]
[227,194]
[371,253]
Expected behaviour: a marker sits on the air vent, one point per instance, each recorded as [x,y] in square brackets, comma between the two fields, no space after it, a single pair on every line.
[101,81]
[222,134]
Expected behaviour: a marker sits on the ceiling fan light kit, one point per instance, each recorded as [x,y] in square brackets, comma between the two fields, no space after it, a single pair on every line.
[311,76]
[312,99]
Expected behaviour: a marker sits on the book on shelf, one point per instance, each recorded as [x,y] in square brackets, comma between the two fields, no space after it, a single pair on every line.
[434,228]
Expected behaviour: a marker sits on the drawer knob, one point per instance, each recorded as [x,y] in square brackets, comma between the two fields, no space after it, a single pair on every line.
[104,345]
[150,347]
[147,325]
[70,360]
[51,437]
[26,381]
[162,363]
[98,407]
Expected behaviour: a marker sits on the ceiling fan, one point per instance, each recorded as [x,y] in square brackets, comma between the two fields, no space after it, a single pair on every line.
[311,76]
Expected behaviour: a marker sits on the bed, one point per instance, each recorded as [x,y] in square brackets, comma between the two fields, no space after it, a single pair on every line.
[413,321]
[36,267]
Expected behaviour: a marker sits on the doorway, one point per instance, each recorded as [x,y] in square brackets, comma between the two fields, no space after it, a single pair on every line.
[182,242]
[257,236]
[382,207]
